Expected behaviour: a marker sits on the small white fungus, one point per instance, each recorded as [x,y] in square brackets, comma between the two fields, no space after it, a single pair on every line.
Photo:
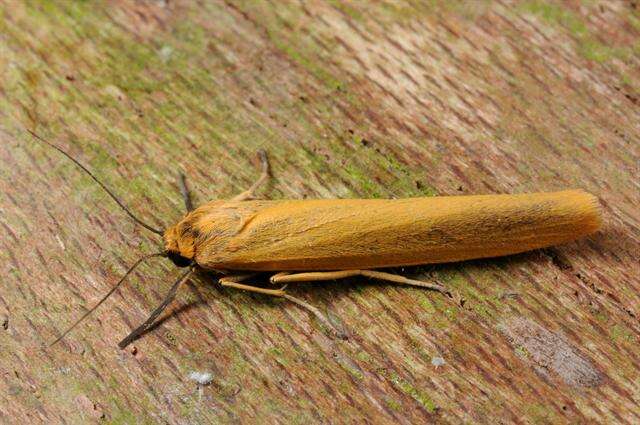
[165,53]
[437,361]
[202,378]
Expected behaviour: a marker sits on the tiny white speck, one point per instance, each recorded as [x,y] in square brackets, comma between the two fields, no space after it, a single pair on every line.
[61,243]
[91,280]
[202,378]
[165,53]
[437,361]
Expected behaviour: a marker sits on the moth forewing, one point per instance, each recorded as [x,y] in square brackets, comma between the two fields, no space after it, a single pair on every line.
[343,234]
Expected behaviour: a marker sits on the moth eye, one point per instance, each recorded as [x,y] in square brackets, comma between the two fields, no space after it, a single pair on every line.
[178,259]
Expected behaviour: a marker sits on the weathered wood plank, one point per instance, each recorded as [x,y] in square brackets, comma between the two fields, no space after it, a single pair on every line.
[351,99]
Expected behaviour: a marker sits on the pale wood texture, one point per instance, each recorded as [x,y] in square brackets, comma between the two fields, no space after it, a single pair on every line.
[357,99]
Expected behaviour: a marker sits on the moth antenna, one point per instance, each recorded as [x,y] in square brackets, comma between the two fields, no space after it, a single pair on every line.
[111,291]
[167,299]
[136,219]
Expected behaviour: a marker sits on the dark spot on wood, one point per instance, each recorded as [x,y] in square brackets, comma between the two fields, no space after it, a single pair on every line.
[633,99]
[557,259]
[509,295]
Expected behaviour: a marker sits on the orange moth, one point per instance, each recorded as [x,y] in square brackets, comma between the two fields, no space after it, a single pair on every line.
[325,239]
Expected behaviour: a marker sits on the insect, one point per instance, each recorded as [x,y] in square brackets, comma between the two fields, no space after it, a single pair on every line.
[327,239]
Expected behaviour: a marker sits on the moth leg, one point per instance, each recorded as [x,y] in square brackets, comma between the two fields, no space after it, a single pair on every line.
[276,277]
[314,310]
[186,195]
[341,274]
[233,282]
[137,332]
[264,176]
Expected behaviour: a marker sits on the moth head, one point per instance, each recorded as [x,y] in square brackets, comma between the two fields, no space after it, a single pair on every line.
[187,237]
[179,245]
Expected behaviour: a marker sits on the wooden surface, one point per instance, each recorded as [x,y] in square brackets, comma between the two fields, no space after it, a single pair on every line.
[353,99]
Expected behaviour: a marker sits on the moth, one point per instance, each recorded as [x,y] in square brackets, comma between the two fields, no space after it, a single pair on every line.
[327,239]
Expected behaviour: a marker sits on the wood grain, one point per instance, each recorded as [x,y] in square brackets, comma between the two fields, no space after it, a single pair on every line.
[351,99]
